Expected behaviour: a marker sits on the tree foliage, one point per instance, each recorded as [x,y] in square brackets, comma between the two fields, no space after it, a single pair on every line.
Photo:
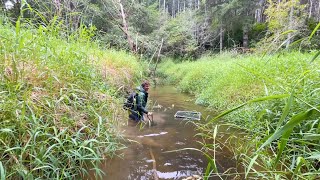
[189,28]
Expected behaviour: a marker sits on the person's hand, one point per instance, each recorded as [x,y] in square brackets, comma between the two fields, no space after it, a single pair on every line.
[149,114]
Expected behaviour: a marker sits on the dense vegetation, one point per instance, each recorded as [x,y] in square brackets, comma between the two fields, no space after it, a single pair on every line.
[179,28]
[59,102]
[63,64]
[270,98]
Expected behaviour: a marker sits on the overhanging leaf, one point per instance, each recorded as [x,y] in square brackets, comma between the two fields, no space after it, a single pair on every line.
[282,145]
[314,156]
[312,137]
[314,31]
[315,56]
[253,160]
[289,126]
[2,172]
[286,110]
[248,102]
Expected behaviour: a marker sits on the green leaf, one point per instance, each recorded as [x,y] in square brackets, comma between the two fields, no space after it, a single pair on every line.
[282,145]
[300,162]
[18,27]
[289,126]
[7,131]
[49,149]
[248,102]
[253,160]
[283,43]
[314,156]
[225,113]
[297,41]
[215,132]
[287,32]
[312,137]
[208,172]
[42,167]
[314,31]
[315,56]
[286,110]
[11,149]
[2,172]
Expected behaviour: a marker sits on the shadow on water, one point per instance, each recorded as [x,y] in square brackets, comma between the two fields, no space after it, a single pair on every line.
[145,157]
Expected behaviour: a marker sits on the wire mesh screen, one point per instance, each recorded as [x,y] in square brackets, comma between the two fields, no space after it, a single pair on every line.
[188,115]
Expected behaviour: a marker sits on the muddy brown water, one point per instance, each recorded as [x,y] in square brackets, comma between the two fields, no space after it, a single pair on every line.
[147,157]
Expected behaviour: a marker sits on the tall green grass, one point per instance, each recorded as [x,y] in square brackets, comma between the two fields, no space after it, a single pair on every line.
[59,107]
[274,99]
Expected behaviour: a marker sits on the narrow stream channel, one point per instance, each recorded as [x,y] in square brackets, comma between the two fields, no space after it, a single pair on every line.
[146,155]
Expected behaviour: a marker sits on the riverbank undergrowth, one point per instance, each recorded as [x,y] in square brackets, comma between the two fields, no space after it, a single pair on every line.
[59,101]
[275,99]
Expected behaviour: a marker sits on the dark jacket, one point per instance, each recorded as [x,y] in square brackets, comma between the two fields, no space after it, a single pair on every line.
[142,99]
[141,103]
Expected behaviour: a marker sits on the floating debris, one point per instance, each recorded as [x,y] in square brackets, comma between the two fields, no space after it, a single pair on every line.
[167,164]
[188,115]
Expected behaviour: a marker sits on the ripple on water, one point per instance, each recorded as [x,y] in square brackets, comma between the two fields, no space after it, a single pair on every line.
[153,134]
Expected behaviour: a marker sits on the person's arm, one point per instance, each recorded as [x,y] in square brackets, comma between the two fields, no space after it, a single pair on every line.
[139,104]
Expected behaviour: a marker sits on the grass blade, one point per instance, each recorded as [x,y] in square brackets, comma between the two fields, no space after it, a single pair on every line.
[2,172]
[248,102]
[289,126]
[314,156]
[253,160]
[208,172]
[314,31]
[286,110]
[315,57]
[300,162]
[282,145]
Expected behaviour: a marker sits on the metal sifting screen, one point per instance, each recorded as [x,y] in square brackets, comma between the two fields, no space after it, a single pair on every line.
[188,115]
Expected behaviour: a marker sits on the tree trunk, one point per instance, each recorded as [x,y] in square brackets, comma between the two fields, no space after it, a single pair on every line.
[290,26]
[257,15]
[245,36]
[73,20]
[258,11]
[173,9]
[205,8]
[125,27]
[221,38]
[310,8]
[318,11]
[155,68]
[261,10]
[57,5]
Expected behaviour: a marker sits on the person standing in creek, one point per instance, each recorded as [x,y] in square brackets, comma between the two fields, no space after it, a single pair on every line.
[137,102]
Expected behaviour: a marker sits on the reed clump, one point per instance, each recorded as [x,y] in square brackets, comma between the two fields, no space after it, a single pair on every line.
[59,110]
[274,99]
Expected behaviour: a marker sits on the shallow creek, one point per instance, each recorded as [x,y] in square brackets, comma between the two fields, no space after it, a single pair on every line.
[146,155]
